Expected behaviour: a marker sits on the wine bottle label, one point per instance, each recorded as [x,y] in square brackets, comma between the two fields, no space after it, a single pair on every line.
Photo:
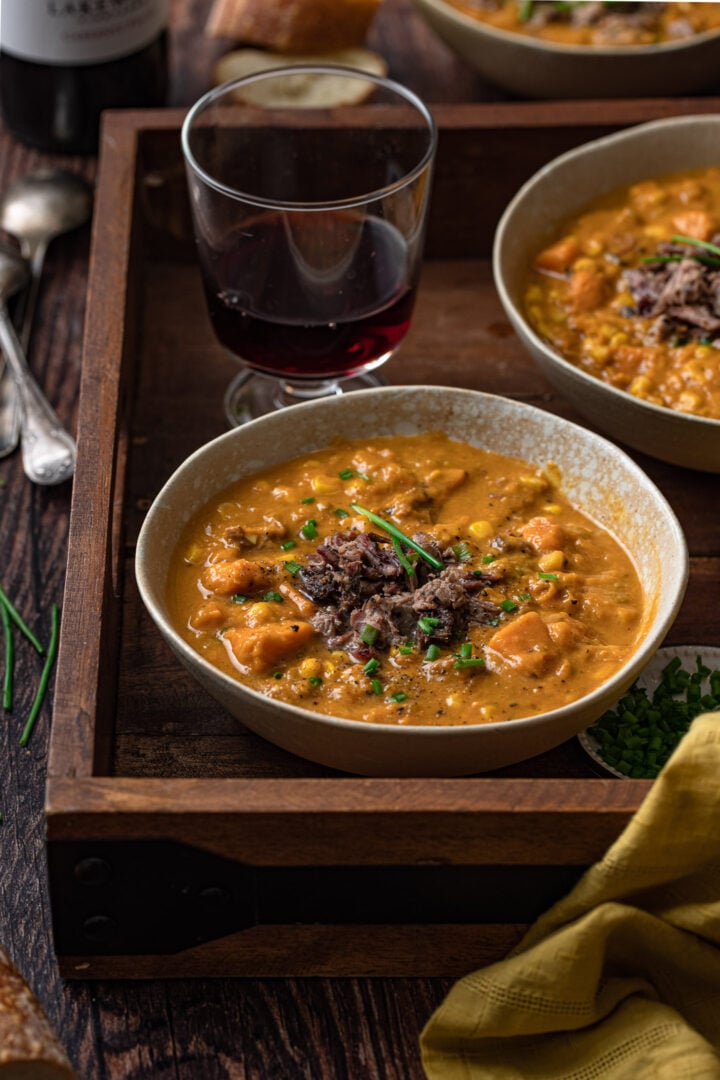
[79,31]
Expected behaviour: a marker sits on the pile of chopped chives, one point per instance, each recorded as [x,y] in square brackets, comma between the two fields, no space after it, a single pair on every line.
[638,736]
[8,616]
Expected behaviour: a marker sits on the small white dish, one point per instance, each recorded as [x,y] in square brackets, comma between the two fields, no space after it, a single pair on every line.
[648,680]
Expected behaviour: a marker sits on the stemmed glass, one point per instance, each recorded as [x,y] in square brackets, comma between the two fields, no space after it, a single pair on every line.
[309,221]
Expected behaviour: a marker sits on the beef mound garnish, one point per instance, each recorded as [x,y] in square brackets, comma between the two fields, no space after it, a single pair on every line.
[359,581]
[680,290]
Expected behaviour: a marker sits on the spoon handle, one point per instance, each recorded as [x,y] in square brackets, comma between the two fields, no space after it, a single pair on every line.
[48,451]
[9,412]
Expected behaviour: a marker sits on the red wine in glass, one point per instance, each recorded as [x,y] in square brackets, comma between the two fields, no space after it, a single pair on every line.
[311,295]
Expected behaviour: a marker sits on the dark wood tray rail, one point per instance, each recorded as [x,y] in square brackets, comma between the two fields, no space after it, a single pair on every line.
[179,843]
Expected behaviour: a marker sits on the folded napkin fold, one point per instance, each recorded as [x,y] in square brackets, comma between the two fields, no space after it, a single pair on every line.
[621,978]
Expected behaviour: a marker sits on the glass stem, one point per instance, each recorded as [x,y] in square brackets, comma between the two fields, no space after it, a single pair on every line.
[289,393]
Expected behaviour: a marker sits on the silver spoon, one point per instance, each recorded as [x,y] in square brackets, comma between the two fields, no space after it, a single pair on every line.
[48,451]
[37,208]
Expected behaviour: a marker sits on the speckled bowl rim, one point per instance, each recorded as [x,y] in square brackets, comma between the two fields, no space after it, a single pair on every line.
[664,48]
[505,224]
[642,655]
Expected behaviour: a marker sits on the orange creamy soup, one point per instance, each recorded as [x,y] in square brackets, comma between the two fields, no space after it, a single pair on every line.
[510,603]
[600,24]
[630,291]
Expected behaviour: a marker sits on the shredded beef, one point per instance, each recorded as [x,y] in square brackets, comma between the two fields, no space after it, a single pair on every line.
[683,296]
[358,581]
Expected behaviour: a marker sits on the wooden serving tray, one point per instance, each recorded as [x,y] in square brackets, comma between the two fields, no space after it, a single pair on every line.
[179,843]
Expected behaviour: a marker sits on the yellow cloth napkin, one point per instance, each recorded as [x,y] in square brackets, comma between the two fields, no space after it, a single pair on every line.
[621,978]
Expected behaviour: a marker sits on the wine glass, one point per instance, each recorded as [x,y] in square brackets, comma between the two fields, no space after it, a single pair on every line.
[309,217]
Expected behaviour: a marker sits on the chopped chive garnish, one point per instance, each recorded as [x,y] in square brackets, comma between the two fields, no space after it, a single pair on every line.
[308,499]
[288,545]
[308,530]
[44,677]
[525,10]
[315,680]
[428,623]
[403,559]
[433,653]
[292,567]
[394,531]
[371,666]
[466,650]
[341,513]
[369,634]
[405,649]
[400,696]
[525,595]
[363,476]
[19,622]
[238,598]
[273,596]
[508,605]
[462,552]
[277,674]
[9,659]
[376,686]
[547,577]
[346,474]
[488,559]
[469,662]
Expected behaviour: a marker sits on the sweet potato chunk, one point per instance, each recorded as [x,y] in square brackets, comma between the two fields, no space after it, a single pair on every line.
[587,290]
[525,644]
[543,535]
[559,257]
[262,647]
[695,223]
[237,576]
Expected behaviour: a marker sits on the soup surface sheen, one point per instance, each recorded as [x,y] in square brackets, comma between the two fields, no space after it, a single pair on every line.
[282,583]
[600,24]
[630,291]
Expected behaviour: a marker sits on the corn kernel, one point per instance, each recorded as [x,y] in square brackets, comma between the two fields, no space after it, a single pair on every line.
[535,312]
[534,293]
[624,299]
[481,530]
[640,386]
[324,484]
[259,613]
[551,561]
[593,246]
[598,352]
[329,668]
[702,352]
[557,315]
[689,402]
[552,508]
[618,338]
[310,667]
[338,655]
[194,555]
[537,483]
[584,264]
[657,232]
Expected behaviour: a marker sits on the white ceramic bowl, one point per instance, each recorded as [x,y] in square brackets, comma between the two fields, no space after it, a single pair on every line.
[596,475]
[563,188]
[534,68]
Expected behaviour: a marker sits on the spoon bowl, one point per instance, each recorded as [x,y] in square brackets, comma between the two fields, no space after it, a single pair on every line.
[36,209]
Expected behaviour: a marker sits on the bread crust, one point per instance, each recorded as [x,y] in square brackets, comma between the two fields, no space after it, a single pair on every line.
[29,1049]
[293,25]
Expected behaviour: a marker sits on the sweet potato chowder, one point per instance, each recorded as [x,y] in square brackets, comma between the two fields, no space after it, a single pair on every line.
[496,599]
[589,22]
[630,291]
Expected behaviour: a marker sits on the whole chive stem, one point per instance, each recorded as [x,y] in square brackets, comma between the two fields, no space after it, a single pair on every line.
[398,534]
[697,243]
[44,677]
[19,622]
[9,659]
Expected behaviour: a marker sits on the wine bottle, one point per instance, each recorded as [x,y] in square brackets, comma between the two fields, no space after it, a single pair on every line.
[63,61]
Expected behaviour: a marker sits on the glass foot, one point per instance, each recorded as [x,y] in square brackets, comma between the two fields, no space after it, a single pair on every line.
[252,394]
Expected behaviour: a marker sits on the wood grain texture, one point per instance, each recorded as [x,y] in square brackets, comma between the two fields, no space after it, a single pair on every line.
[226,1029]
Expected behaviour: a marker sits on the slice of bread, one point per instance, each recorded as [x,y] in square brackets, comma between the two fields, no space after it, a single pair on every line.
[305,90]
[293,25]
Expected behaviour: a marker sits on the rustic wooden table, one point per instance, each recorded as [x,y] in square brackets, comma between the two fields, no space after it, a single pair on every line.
[284,1029]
